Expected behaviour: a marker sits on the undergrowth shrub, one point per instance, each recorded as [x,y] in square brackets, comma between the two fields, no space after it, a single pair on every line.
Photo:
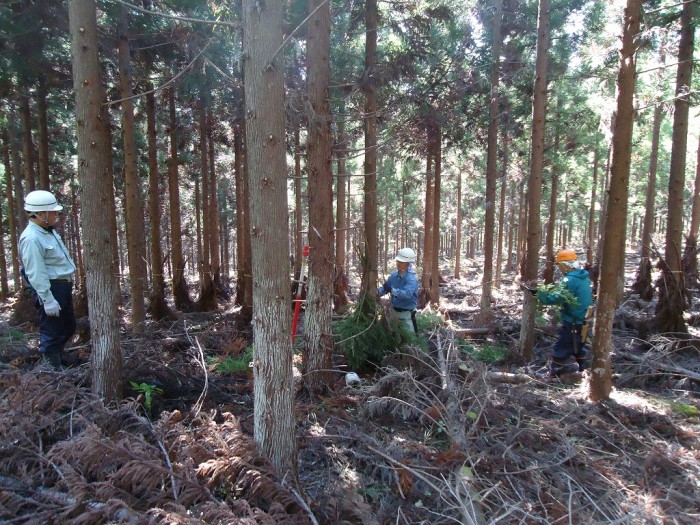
[233,365]
[490,354]
[364,336]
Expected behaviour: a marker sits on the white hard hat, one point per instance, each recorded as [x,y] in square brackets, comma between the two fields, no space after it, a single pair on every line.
[41,200]
[406,255]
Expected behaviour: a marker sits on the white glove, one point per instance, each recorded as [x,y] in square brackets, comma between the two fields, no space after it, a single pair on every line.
[52,308]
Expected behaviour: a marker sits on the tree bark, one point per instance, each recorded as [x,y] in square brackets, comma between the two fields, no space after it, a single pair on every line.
[534,228]
[180,291]
[159,307]
[370,272]
[601,378]
[491,164]
[341,280]
[11,213]
[92,131]
[265,150]
[642,284]
[136,234]
[44,182]
[458,233]
[435,144]
[672,293]
[318,347]
[27,144]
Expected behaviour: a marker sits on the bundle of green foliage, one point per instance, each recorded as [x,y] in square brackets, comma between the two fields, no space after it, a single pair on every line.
[366,337]
[363,334]
[564,297]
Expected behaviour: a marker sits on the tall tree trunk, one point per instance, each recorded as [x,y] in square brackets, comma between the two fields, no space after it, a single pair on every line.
[136,234]
[265,150]
[27,144]
[491,166]
[92,131]
[690,254]
[207,292]
[601,379]
[501,212]
[370,273]
[642,284]
[159,307]
[244,281]
[298,213]
[591,207]
[4,290]
[435,143]
[11,213]
[214,227]
[534,228]
[548,274]
[458,234]
[318,347]
[671,285]
[17,174]
[341,280]
[44,182]
[180,291]
[429,220]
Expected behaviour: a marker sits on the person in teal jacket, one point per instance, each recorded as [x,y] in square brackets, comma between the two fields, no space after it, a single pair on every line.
[573,314]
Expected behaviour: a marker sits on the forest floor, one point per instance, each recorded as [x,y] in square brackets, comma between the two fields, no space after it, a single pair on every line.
[436,437]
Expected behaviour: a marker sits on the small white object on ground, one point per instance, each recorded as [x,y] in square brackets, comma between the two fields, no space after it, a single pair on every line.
[352,379]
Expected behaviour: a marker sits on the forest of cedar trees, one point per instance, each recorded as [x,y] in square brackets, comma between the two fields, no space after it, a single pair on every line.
[201,149]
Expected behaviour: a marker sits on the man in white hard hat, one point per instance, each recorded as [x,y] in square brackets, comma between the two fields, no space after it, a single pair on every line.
[403,287]
[49,270]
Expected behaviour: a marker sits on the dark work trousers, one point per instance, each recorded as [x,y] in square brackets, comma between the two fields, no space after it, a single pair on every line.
[54,332]
[568,344]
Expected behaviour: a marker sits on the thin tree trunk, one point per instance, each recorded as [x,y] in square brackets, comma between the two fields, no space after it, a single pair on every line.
[214,227]
[435,143]
[491,165]
[11,214]
[180,291]
[341,225]
[501,213]
[159,308]
[207,292]
[534,228]
[458,234]
[274,423]
[44,182]
[27,145]
[16,171]
[92,132]
[601,379]
[672,291]
[370,273]
[642,284]
[136,234]
[318,348]
[591,207]
[298,212]
[429,219]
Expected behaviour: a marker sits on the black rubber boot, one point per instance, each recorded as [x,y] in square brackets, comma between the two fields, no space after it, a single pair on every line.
[52,359]
[583,363]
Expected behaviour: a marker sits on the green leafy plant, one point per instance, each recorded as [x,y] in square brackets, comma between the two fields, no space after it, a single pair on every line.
[428,320]
[563,297]
[685,410]
[364,336]
[148,392]
[233,365]
[490,354]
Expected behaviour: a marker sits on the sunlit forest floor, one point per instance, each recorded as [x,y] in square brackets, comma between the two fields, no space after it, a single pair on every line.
[462,433]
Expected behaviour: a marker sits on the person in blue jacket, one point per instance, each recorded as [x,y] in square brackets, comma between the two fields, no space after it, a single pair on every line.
[403,287]
[573,314]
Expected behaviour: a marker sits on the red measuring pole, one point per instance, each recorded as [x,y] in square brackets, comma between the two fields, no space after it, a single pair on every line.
[300,287]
